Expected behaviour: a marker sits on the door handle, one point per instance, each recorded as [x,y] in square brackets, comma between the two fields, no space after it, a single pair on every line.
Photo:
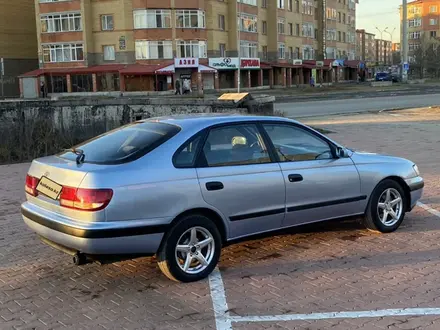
[214,186]
[295,177]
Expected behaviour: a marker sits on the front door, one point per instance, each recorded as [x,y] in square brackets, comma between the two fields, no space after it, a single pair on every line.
[319,186]
[238,178]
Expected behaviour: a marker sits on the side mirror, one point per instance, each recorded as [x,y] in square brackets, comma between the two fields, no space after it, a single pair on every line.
[342,153]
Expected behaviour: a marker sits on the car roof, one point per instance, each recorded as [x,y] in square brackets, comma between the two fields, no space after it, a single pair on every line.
[189,121]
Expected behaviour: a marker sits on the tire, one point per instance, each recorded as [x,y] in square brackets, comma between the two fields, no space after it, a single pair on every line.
[375,214]
[172,263]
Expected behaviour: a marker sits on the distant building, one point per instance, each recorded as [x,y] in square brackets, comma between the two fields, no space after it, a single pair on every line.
[384,52]
[395,47]
[365,46]
[18,43]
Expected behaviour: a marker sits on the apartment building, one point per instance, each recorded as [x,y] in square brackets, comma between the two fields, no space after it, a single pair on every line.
[365,46]
[423,23]
[18,45]
[135,45]
[384,53]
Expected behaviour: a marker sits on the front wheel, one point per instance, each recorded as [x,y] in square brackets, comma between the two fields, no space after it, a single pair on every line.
[191,249]
[386,209]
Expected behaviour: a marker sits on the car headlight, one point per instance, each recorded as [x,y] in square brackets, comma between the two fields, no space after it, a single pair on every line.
[416,169]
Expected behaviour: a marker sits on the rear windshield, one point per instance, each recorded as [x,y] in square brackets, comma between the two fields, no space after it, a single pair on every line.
[124,144]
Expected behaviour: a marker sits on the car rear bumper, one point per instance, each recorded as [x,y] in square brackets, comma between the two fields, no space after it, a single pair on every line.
[96,238]
[416,186]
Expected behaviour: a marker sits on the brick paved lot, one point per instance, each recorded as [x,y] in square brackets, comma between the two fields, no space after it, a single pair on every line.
[323,268]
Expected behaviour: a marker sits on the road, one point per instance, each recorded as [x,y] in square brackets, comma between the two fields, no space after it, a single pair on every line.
[346,106]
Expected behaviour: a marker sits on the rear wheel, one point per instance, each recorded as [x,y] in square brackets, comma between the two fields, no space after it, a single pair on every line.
[191,249]
[386,209]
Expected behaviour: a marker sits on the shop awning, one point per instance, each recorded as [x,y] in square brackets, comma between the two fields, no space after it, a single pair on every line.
[105,68]
[206,69]
[143,69]
[354,64]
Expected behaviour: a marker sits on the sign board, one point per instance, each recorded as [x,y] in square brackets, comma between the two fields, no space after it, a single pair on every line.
[250,63]
[319,64]
[297,62]
[231,63]
[122,43]
[185,76]
[406,66]
[186,62]
[236,97]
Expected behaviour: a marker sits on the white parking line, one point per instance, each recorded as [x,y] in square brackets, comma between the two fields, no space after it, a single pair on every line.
[339,315]
[219,303]
[429,209]
[223,320]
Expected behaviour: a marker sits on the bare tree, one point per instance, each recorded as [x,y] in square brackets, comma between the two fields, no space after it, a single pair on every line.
[426,56]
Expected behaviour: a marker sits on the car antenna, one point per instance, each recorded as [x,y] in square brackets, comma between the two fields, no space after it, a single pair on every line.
[79,155]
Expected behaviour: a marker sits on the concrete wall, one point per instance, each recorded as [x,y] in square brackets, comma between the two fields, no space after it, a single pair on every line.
[30,129]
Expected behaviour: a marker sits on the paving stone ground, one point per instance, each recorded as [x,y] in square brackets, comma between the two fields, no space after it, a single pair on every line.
[331,267]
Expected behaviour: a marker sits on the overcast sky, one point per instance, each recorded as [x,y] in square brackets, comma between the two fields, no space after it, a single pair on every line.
[380,14]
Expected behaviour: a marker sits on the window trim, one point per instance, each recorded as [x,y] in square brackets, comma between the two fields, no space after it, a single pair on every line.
[200,161]
[102,21]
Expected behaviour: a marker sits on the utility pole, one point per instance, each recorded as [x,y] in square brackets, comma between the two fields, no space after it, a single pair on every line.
[322,30]
[404,48]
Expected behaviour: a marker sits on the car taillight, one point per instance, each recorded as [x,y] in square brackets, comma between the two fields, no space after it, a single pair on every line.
[31,185]
[85,199]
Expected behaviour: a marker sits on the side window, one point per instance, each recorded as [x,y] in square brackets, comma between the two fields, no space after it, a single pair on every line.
[235,145]
[295,144]
[186,155]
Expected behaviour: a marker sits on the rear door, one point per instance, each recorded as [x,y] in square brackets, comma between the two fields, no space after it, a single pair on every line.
[319,186]
[238,178]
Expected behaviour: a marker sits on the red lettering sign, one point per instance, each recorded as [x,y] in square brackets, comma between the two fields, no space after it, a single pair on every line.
[250,63]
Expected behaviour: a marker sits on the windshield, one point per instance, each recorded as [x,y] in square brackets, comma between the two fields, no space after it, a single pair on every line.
[123,144]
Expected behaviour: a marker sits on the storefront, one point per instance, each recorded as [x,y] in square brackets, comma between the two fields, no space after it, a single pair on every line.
[250,72]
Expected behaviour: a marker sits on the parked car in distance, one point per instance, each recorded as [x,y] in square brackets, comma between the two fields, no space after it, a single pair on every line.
[181,187]
[383,76]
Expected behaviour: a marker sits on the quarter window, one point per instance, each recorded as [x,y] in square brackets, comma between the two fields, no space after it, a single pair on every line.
[295,144]
[235,145]
[186,155]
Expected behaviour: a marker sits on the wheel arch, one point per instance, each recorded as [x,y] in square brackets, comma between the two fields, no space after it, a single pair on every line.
[209,213]
[404,186]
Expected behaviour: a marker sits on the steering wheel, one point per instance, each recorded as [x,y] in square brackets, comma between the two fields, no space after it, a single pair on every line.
[322,153]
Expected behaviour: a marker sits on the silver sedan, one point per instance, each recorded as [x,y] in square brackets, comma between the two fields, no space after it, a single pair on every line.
[181,187]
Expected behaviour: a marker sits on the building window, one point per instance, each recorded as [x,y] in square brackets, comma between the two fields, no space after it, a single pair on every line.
[265,52]
[281,25]
[432,9]
[61,23]
[150,19]
[248,49]
[264,27]
[344,18]
[55,53]
[433,21]
[331,14]
[308,53]
[297,54]
[297,30]
[263,3]
[289,5]
[339,36]
[152,50]
[339,17]
[248,2]
[415,35]
[290,29]
[107,23]
[415,22]
[344,37]
[331,35]
[248,23]
[291,55]
[190,19]
[109,52]
[433,34]
[415,10]
[307,7]
[281,50]
[221,22]
[308,30]
[222,49]
[191,48]
[280,4]
[297,6]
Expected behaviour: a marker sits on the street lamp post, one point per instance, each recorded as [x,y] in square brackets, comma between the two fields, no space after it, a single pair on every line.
[381,42]
[391,38]
[239,44]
